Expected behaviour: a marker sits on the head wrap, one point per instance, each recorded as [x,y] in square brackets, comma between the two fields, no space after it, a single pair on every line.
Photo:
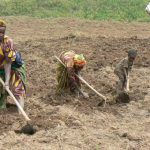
[132,53]
[2,23]
[79,60]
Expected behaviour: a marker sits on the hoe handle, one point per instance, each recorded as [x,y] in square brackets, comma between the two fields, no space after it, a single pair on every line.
[127,86]
[99,94]
[102,96]
[15,100]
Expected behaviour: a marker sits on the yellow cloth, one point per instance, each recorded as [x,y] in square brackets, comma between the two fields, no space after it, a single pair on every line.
[2,23]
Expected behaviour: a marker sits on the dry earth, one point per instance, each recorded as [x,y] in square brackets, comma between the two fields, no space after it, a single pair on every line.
[71,123]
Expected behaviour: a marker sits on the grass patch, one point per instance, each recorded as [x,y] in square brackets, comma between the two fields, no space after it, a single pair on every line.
[120,10]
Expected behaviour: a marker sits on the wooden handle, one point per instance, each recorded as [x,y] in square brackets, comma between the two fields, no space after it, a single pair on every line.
[15,100]
[102,96]
[127,86]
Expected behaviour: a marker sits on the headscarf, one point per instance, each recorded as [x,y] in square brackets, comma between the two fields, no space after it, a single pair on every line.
[79,60]
[2,23]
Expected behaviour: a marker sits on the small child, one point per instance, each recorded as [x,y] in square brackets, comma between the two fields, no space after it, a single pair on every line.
[123,69]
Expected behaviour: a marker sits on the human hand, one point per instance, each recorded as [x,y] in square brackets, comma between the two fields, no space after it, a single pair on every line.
[86,95]
[127,90]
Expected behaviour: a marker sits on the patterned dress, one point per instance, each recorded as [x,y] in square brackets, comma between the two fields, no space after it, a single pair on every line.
[66,77]
[17,77]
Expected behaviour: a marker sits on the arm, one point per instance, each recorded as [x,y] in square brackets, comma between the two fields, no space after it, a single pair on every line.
[71,75]
[7,68]
[125,72]
[10,56]
[73,79]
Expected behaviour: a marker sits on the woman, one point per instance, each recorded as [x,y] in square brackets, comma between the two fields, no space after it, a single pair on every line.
[66,77]
[12,69]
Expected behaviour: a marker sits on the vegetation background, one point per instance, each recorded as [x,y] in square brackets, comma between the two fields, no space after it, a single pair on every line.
[120,10]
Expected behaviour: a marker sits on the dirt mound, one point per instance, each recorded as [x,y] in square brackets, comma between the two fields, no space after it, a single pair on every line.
[67,122]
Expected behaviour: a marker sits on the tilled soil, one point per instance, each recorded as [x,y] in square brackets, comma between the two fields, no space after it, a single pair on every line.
[71,123]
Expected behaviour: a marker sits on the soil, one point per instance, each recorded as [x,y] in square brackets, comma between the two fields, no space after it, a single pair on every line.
[71,123]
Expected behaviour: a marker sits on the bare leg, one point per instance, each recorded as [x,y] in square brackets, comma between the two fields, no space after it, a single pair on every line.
[119,86]
[121,83]
[3,97]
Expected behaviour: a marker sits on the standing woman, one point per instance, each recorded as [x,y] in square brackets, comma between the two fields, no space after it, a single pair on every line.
[12,69]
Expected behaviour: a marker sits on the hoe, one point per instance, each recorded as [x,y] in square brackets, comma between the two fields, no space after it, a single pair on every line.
[28,128]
